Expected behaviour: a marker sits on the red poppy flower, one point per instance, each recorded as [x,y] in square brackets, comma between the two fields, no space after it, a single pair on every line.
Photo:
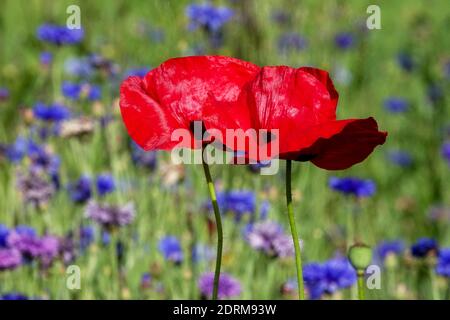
[174,95]
[301,104]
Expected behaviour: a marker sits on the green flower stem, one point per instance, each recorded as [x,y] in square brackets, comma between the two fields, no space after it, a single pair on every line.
[298,254]
[361,291]
[212,194]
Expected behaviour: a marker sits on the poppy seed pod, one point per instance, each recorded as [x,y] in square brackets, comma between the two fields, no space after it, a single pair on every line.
[360,256]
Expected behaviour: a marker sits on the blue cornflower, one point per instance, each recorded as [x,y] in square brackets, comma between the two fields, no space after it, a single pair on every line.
[400,158]
[328,277]
[52,113]
[443,264]
[424,247]
[46,58]
[208,16]
[396,104]
[237,202]
[146,280]
[4,232]
[405,61]
[353,186]
[13,296]
[291,41]
[143,158]
[446,152]
[106,238]
[80,191]
[4,94]
[386,248]
[434,93]
[138,72]
[229,287]
[75,91]
[105,184]
[170,247]
[344,40]
[17,151]
[78,67]
[86,234]
[59,35]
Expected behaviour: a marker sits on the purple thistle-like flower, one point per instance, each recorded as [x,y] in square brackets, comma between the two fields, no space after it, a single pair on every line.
[26,241]
[353,186]
[229,287]
[59,34]
[34,188]
[9,259]
[170,247]
[443,264]
[109,216]
[49,250]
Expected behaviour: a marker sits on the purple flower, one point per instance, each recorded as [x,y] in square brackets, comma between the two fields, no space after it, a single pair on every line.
[229,287]
[208,16]
[268,237]
[353,186]
[35,189]
[405,61]
[109,216]
[81,190]
[51,113]
[4,94]
[86,236]
[26,241]
[328,277]
[424,247]
[386,248]
[344,40]
[105,184]
[59,35]
[16,152]
[291,41]
[9,259]
[396,105]
[446,152]
[170,247]
[46,58]
[443,264]
[143,158]
[400,158]
[49,249]
[76,91]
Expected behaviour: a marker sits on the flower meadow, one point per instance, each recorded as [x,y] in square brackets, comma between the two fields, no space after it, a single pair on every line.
[93,207]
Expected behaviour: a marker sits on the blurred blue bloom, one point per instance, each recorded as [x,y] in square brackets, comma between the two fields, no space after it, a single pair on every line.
[170,247]
[106,238]
[138,72]
[405,61]
[59,35]
[264,210]
[46,58]
[143,158]
[4,232]
[80,191]
[105,184]
[4,94]
[55,112]
[229,287]
[328,277]
[281,17]
[447,70]
[202,252]
[78,67]
[344,40]
[256,167]
[208,16]
[75,91]
[146,280]
[446,152]
[237,202]
[396,104]
[435,93]
[424,247]
[291,41]
[443,264]
[17,151]
[86,234]
[385,248]
[13,296]
[353,186]
[400,158]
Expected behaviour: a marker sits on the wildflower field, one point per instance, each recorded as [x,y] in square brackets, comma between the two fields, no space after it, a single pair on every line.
[86,213]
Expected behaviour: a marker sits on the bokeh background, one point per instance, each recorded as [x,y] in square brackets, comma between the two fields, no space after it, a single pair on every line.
[74,189]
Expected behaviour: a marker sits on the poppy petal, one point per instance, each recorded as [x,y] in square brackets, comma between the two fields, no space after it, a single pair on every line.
[337,145]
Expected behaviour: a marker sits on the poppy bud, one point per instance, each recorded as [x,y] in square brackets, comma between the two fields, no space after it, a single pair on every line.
[360,256]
